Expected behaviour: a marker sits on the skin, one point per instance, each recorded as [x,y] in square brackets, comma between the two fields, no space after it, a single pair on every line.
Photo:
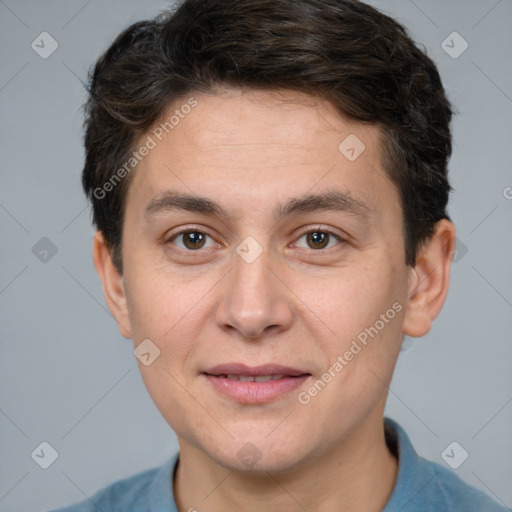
[296,304]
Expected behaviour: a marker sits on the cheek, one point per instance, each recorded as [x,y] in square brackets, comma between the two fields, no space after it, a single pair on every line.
[343,304]
[161,301]
[362,353]
[172,310]
[363,309]
[371,327]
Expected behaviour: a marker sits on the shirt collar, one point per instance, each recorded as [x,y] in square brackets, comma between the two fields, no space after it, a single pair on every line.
[413,473]
[161,495]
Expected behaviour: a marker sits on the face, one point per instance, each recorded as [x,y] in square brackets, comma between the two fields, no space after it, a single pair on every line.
[254,245]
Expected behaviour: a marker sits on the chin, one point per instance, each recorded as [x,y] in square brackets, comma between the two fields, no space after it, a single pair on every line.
[262,456]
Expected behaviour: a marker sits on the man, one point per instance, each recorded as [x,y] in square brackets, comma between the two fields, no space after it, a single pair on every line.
[269,184]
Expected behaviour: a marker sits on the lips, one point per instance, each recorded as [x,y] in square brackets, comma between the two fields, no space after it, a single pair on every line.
[237,369]
[250,378]
[254,384]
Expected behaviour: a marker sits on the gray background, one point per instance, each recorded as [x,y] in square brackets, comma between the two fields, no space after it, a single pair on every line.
[67,377]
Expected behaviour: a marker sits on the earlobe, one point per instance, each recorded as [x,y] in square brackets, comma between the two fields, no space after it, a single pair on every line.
[430,279]
[112,282]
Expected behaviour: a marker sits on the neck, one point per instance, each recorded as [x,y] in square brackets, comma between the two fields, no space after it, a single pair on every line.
[359,475]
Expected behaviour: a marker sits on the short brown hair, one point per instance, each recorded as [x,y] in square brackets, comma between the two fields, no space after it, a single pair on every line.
[345,51]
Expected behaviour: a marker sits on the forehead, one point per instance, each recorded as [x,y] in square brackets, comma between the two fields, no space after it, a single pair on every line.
[241,121]
[260,145]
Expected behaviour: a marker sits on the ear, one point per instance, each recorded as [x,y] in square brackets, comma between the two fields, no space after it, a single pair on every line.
[430,279]
[112,282]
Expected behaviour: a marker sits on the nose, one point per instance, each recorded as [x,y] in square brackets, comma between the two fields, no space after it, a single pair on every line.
[254,301]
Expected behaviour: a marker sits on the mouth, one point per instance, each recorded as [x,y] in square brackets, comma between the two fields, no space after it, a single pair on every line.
[249,378]
[253,385]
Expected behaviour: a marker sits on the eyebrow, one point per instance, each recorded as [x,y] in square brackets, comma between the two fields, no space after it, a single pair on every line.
[333,200]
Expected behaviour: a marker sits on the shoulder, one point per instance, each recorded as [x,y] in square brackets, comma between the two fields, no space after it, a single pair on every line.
[451,493]
[427,486]
[135,492]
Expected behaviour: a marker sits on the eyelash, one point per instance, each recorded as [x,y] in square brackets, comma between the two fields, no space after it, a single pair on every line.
[341,240]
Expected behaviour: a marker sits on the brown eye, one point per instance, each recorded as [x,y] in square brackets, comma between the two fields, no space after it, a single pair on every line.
[193,240]
[317,239]
[190,240]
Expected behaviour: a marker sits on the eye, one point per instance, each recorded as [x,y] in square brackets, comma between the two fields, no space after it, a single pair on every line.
[320,239]
[191,240]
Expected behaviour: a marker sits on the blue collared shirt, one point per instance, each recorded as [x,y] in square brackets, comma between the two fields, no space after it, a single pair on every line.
[421,486]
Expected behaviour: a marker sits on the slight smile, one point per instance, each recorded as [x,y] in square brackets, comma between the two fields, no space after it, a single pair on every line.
[257,384]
